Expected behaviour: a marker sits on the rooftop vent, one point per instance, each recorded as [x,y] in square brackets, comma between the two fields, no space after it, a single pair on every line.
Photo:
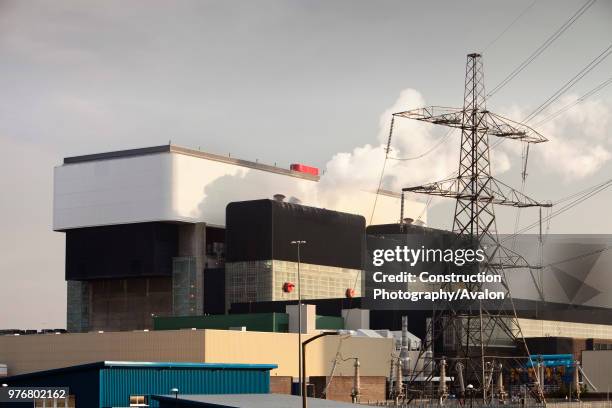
[295,200]
[279,197]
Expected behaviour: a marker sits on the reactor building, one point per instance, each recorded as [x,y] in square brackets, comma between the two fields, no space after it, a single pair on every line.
[146,234]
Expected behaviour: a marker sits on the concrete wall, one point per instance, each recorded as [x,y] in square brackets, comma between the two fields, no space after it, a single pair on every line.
[40,352]
[192,244]
[304,320]
[597,364]
[355,319]
[552,328]
[187,185]
[25,354]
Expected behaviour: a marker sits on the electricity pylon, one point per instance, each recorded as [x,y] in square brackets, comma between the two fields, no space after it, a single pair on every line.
[476,328]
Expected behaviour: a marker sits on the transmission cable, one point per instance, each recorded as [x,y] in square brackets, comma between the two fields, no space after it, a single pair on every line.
[581,198]
[576,102]
[577,257]
[581,192]
[382,171]
[565,87]
[569,84]
[510,25]
[542,47]
[571,205]
[428,151]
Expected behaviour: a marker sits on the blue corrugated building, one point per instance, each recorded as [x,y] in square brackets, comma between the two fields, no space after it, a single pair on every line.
[108,384]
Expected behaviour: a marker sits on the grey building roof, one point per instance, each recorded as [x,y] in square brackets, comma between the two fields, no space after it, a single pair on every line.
[140,364]
[189,152]
[250,401]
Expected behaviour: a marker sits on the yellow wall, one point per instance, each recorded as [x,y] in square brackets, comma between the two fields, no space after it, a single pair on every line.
[282,349]
[42,352]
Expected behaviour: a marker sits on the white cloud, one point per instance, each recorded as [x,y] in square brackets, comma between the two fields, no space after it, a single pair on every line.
[579,142]
[362,167]
[579,145]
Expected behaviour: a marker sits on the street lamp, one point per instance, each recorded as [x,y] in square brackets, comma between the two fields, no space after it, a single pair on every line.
[304,344]
[470,392]
[299,293]
[175,392]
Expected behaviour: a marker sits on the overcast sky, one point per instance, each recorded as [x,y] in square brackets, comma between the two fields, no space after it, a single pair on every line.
[278,81]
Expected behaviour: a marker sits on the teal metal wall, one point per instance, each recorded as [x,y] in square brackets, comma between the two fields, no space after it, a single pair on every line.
[118,383]
[110,383]
[82,382]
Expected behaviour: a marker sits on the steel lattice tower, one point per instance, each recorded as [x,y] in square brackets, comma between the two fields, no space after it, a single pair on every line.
[476,193]
[474,164]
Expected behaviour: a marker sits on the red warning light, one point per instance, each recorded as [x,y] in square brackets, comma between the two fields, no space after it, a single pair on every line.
[288,287]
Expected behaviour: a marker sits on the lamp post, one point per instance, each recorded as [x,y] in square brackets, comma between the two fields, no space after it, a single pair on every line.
[470,392]
[175,392]
[356,392]
[304,344]
[299,293]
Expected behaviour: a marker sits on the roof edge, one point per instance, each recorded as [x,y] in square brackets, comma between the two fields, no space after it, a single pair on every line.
[170,148]
[141,151]
[139,364]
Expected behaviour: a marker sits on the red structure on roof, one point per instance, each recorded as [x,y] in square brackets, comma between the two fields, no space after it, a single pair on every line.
[302,168]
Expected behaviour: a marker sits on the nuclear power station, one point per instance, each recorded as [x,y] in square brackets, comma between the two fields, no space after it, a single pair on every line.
[192,277]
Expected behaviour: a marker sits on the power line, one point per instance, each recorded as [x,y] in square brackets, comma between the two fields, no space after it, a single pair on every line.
[542,47]
[425,208]
[569,84]
[382,171]
[433,148]
[576,102]
[510,25]
[581,256]
[581,192]
[588,193]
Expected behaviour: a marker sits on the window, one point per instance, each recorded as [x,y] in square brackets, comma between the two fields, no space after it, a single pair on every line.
[56,403]
[138,401]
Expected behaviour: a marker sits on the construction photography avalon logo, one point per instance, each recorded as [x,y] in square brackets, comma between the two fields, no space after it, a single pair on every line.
[306,203]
